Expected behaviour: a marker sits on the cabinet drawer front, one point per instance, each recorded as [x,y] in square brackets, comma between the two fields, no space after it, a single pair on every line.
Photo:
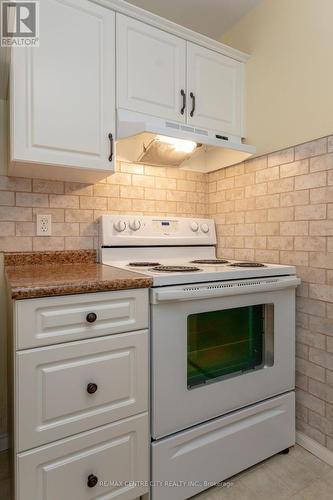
[114,454]
[53,320]
[66,389]
[222,447]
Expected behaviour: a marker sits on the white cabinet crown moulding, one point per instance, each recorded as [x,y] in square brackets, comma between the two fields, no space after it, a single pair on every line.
[164,24]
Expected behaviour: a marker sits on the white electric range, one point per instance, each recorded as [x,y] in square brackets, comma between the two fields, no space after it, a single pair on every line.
[222,350]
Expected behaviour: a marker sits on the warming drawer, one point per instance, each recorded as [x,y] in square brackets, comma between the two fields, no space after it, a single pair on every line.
[218,449]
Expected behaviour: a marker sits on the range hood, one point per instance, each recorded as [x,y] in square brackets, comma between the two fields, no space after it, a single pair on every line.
[154,141]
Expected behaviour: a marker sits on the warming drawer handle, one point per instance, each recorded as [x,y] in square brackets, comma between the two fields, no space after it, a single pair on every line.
[171,295]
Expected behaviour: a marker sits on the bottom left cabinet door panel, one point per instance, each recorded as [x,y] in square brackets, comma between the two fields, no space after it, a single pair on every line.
[110,462]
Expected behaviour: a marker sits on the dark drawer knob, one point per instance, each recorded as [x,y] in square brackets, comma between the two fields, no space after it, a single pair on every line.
[91,317]
[92,481]
[92,388]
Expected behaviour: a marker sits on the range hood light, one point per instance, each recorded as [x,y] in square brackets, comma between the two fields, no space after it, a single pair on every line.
[180,145]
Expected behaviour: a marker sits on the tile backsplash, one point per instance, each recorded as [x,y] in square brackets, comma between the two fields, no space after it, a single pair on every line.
[279,208]
[276,208]
[75,207]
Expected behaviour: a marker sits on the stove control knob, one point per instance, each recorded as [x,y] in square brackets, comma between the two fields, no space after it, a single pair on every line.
[120,226]
[194,226]
[135,225]
[205,228]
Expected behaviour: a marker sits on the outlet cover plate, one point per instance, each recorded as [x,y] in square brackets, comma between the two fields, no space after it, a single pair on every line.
[44,225]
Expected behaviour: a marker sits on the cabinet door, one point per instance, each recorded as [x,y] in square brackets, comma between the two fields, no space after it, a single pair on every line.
[151,69]
[216,82]
[63,92]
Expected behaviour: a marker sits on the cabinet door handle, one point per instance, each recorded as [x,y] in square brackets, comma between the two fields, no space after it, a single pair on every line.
[91,317]
[92,481]
[92,388]
[192,96]
[183,94]
[110,136]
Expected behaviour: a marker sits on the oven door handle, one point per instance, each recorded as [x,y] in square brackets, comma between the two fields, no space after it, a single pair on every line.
[222,290]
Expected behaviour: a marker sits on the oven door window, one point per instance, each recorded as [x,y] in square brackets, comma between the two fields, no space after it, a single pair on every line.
[228,342]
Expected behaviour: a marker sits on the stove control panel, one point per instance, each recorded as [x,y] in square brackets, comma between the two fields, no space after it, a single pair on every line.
[136,230]
[165,226]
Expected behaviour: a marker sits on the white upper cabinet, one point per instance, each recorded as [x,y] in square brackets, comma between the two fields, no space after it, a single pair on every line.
[63,93]
[215,90]
[158,73]
[150,70]
[93,60]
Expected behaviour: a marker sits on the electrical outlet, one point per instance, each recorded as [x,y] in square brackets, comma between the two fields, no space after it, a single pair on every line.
[44,225]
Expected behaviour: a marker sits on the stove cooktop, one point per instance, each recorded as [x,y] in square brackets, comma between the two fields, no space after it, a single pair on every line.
[175,271]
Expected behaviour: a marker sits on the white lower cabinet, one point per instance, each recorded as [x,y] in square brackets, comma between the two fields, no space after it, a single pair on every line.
[106,463]
[208,453]
[80,383]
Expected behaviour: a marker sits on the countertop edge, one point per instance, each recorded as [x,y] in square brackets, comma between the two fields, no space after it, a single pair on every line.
[94,278]
[19,293]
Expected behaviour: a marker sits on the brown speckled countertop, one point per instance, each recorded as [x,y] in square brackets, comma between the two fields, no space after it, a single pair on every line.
[46,274]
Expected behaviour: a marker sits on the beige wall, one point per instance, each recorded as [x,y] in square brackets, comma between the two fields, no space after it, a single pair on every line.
[289,74]
[279,208]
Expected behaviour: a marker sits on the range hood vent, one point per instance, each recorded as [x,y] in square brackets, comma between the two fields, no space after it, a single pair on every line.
[154,141]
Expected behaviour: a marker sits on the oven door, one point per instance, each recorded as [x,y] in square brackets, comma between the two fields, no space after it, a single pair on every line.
[219,346]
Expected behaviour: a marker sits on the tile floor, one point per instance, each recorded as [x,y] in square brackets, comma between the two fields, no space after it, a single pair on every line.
[297,476]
